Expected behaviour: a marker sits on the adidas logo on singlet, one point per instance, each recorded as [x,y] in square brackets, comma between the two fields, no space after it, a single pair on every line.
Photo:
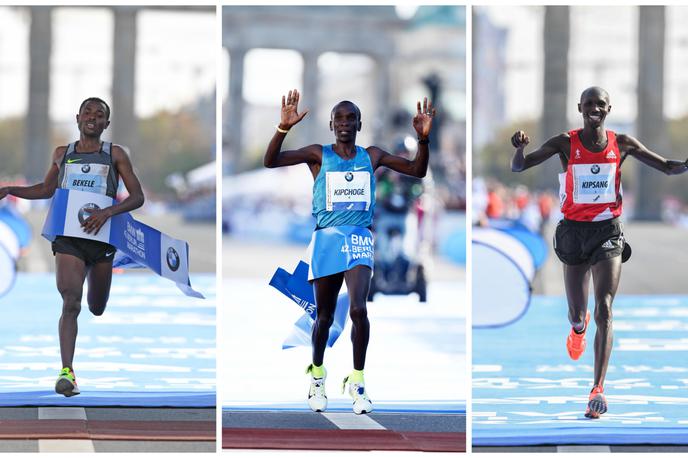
[611,155]
[577,154]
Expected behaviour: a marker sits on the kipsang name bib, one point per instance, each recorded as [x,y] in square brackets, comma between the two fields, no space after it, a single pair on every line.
[594,183]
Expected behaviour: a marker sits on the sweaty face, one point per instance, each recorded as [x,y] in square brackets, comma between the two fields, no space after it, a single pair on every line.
[594,106]
[344,122]
[92,119]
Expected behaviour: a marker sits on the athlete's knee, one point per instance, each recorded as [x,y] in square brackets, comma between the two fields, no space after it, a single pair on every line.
[71,300]
[603,311]
[324,320]
[359,315]
[97,308]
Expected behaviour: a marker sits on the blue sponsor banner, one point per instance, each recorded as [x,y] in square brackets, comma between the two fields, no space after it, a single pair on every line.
[10,216]
[338,249]
[138,245]
[297,288]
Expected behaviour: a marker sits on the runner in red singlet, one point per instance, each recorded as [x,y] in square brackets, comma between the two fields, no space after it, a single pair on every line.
[589,240]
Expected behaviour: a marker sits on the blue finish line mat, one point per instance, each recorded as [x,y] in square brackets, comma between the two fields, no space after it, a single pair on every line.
[526,390]
[153,346]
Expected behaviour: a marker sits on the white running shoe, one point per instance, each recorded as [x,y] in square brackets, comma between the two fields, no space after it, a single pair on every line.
[362,403]
[317,398]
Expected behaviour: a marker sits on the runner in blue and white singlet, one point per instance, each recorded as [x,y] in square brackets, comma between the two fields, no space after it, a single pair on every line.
[341,248]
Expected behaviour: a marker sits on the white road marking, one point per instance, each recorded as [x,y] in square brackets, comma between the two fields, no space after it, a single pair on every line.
[345,420]
[61,413]
[65,445]
[583,449]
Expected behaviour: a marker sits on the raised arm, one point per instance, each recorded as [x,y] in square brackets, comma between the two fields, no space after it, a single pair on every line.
[42,190]
[289,117]
[520,162]
[633,147]
[418,167]
[134,200]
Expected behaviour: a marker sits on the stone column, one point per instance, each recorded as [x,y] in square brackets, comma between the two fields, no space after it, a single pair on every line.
[381,119]
[234,110]
[650,124]
[124,127]
[555,88]
[37,129]
[313,121]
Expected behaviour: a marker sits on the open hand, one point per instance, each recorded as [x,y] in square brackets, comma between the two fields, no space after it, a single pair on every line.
[422,121]
[520,139]
[290,116]
[95,221]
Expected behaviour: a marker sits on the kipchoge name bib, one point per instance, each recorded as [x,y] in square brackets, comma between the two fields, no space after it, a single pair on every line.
[348,191]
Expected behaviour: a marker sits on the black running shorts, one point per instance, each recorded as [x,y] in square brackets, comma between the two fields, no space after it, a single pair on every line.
[578,242]
[89,251]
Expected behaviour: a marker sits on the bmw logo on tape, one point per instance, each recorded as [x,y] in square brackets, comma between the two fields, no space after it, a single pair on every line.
[172,259]
[86,210]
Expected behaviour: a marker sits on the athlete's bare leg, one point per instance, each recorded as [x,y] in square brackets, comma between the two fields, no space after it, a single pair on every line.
[605,277]
[577,283]
[358,283]
[70,273]
[99,281]
[326,292]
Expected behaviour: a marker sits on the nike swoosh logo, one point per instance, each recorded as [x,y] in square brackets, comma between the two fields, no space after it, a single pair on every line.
[71,161]
[360,168]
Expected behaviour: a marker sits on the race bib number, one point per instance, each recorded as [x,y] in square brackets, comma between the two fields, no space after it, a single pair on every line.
[348,191]
[594,183]
[86,177]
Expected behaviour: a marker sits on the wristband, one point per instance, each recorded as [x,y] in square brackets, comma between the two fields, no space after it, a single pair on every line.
[281,131]
[423,141]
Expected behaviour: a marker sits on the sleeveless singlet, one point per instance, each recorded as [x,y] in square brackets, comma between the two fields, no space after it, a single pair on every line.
[90,172]
[590,189]
[344,190]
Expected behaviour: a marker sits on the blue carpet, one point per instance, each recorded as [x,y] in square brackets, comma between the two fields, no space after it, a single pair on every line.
[527,391]
[153,346]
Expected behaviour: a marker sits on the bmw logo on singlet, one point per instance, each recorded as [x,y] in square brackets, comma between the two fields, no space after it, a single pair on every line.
[172,259]
[85,211]
[595,169]
[349,176]
[85,168]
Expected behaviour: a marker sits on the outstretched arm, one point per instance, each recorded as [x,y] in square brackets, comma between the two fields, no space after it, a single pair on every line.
[634,148]
[520,162]
[43,190]
[418,167]
[134,200]
[274,156]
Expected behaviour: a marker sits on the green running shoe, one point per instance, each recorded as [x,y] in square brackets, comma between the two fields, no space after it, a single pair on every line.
[317,398]
[66,383]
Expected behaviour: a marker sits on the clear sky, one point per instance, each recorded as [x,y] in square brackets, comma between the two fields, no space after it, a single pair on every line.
[176,59]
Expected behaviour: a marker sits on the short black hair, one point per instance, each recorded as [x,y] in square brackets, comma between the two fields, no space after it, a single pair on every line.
[356,109]
[97,99]
[595,90]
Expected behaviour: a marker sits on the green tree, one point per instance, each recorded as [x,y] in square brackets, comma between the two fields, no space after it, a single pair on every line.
[170,143]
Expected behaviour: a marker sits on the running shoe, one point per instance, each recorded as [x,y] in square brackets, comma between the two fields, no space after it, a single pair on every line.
[317,398]
[575,343]
[597,403]
[66,383]
[362,403]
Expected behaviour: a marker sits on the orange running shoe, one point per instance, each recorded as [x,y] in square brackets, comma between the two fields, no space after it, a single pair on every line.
[575,343]
[597,403]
